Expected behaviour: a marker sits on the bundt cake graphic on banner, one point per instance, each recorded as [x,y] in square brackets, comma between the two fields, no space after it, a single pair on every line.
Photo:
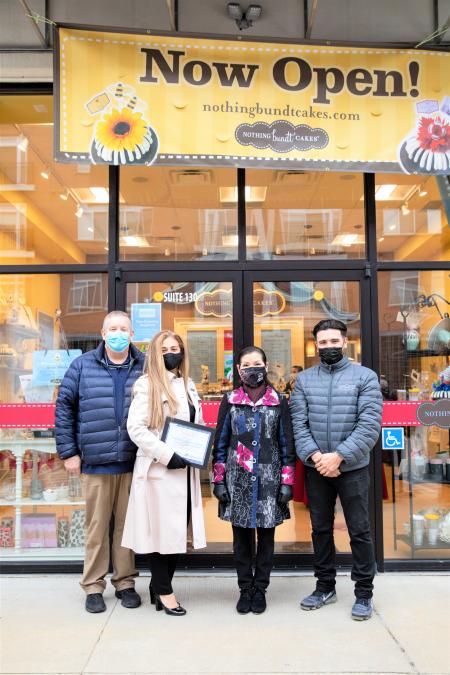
[121,133]
[427,148]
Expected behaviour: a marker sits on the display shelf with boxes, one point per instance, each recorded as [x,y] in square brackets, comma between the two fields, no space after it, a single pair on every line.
[41,507]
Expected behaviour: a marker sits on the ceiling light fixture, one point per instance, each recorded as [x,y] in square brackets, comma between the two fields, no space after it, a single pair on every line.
[405,209]
[229,195]
[45,174]
[381,239]
[64,196]
[101,194]
[79,212]
[422,191]
[243,19]
[135,240]
[384,192]
[23,143]
[167,252]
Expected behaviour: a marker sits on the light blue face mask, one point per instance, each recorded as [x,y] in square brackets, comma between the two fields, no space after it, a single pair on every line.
[118,341]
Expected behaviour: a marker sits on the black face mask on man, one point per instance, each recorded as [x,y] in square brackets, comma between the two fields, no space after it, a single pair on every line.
[253,376]
[330,355]
[173,360]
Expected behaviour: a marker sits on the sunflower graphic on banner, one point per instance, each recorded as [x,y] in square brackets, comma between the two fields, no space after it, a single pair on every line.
[122,134]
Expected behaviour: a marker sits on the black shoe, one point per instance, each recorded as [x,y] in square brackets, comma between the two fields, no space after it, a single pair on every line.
[259,604]
[129,597]
[176,611]
[244,604]
[152,594]
[95,603]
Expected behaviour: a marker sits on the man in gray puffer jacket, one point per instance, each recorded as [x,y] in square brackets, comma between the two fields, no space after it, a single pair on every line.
[336,415]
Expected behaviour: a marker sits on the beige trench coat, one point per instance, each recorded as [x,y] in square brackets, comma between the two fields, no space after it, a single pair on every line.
[157,508]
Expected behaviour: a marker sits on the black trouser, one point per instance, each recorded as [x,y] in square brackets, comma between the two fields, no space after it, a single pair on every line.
[243,545]
[162,567]
[352,487]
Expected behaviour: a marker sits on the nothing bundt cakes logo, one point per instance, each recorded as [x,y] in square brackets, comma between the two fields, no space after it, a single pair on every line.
[121,135]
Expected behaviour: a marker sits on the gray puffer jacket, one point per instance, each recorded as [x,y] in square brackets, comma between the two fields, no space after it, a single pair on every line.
[337,409]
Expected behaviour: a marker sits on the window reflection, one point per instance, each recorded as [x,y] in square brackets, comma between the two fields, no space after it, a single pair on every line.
[170,213]
[412,217]
[299,214]
[49,213]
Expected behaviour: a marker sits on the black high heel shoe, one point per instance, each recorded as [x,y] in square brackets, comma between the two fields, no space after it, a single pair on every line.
[159,605]
[152,594]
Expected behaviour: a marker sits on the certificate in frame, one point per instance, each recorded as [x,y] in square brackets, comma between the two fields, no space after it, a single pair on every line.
[193,442]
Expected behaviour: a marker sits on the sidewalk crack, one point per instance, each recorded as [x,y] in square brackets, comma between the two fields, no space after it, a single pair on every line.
[398,643]
[83,670]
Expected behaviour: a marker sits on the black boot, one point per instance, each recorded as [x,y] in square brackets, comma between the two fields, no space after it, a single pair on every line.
[244,604]
[259,601]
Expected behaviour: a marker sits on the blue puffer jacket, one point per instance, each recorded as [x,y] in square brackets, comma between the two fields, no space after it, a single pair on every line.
[337,409]
[85,416]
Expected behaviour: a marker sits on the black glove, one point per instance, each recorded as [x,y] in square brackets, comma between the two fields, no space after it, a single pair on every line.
[176,462]
[221,493]
[285,494]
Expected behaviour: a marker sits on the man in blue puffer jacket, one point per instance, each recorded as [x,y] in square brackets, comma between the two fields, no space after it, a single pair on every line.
[92,438]
[336,416]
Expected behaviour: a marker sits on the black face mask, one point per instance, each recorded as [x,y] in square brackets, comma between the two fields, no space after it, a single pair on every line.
[253,376]
[330,355]
[172,361]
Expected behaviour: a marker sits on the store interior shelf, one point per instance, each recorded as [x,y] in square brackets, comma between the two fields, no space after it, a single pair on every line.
[69,553]
[39,502]
[424,546]
[426,479]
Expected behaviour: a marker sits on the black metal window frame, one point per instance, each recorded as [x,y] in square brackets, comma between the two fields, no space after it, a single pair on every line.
[364,270]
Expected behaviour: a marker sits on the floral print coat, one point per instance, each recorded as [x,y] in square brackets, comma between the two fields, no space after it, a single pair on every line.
[254,454]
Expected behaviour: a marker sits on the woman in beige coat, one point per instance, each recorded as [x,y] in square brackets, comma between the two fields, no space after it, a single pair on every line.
[165,494]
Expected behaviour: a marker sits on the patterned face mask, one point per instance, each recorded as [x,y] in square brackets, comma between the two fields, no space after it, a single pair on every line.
[253,376]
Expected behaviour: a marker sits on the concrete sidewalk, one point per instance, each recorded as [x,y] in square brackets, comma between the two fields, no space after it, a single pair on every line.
[46,630]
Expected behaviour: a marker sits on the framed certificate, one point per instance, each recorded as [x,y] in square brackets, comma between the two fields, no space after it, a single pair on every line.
[193,442]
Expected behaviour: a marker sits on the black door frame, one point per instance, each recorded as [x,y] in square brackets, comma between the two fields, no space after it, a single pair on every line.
[242,278]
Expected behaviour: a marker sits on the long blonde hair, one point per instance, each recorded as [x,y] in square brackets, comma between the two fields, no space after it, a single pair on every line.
[158,379]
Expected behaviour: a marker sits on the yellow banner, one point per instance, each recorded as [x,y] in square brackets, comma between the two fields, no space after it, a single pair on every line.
[126,98]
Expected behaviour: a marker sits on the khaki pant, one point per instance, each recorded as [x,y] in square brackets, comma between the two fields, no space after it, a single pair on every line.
[106,495]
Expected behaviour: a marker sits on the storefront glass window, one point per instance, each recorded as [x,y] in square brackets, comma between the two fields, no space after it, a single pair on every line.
[304,214]
[412,217]
[284,316]
[49,212]
[202,313]
[178,213]
[415,378]
[45,322]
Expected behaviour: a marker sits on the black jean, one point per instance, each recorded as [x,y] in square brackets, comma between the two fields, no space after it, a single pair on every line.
[162,567]
[352,487]
[243,549]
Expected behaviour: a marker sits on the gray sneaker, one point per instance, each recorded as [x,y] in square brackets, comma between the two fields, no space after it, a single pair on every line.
[362,609]
[318,599]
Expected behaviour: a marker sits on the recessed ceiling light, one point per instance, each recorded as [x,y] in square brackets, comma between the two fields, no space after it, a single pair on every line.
[45,174]
[64,196]
[134,240]
[381,239]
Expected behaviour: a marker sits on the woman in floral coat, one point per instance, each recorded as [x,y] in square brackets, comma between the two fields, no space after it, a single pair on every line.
[254,466]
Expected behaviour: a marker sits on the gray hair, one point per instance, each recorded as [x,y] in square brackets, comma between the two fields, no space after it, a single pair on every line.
[113,315]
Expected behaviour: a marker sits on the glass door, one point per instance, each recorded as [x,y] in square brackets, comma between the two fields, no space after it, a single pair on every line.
[285,307]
